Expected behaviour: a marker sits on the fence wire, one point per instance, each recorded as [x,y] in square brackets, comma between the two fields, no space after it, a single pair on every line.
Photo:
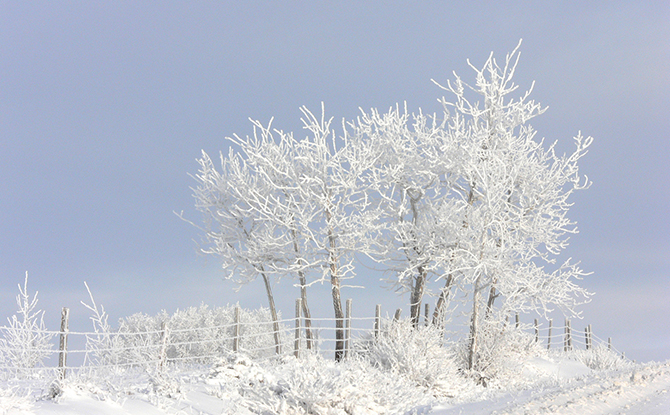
[120,349]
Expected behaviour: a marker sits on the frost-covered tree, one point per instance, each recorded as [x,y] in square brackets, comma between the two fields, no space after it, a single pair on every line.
[468,199]
[287,206]
[272,157]
[409,185]
[335,206]
[514,192]
[25,342]
[248,244]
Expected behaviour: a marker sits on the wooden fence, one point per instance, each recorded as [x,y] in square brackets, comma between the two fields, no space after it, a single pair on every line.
[555,336]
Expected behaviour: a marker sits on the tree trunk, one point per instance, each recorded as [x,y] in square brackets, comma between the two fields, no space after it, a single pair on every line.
[305,311]
[441,305]
[273,311]
[474,326]
[417,297]
[335,283]
[492,297]
[339,318]
[303,294]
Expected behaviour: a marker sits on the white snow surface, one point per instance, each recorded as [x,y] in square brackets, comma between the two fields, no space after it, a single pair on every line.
[313,385]
[643,390]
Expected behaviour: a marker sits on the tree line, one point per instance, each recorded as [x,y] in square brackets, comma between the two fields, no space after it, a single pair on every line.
[466,199]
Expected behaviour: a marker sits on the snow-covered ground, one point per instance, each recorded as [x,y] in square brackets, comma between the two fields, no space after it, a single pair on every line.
[644,390]
[546,385]
[400,369]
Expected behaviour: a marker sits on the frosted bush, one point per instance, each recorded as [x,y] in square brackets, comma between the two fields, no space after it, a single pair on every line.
[214,332]
[601,358]
[502,351]
[197,334]
[415,353]
[14,401]
[138,339]
[314,385]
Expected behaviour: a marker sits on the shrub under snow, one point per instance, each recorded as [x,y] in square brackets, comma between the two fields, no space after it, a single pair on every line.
[503,349]
[601,358]
[313,385]
[415,353]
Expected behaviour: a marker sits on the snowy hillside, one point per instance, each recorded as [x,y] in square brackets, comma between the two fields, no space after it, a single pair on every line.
[228,360]
[186,363]
[317,387]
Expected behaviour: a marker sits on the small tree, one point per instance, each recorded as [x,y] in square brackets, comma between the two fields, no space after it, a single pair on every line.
[273,158]
[102,346]
[329,184]
[26,342]
[288,206]
[248,244]
[313,196]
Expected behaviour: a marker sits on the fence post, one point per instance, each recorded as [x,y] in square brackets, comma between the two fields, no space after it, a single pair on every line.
[549,336]
[396,316]
[567,342]
[590,337]
[62,356]
[298,311]
[569,335]
[517,321]
[378,316]
[537,331]
[609,343]
[236,335]
[587,336]
[163,353]
[347,328]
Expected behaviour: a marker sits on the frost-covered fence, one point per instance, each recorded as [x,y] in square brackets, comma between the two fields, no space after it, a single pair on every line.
[196,335]
[359,327]
[203,336]
[200,336]
[557,336]
[146,348]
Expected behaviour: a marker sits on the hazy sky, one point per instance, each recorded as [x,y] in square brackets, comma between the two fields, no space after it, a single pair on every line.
[104,107]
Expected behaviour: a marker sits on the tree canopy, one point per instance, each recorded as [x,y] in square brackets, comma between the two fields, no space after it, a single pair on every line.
[466,199]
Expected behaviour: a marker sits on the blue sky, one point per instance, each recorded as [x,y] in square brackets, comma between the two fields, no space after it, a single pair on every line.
[104,107]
